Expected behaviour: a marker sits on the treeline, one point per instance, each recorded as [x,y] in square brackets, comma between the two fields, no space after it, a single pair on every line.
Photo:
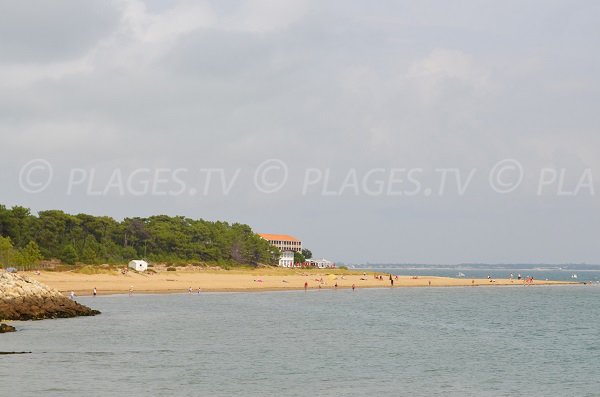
[91,239]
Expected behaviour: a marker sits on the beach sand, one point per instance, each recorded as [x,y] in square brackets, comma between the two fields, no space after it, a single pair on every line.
[245,280]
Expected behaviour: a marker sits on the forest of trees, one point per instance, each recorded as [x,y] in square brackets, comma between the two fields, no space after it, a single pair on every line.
[26,238]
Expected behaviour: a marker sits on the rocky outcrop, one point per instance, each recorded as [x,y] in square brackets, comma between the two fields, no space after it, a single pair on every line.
[22,298]
[6,328]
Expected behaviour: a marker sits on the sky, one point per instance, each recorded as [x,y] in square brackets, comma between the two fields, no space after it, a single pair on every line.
[395,132]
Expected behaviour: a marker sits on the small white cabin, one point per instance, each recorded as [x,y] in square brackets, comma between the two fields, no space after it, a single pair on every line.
[138,265]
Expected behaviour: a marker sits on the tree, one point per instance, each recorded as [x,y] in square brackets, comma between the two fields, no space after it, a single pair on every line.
[307,254]
[55,230]
[68,254]
[29,238]
[18,225]
[89,256]
[31,254]
[128,254]
[7,251]
[299,258]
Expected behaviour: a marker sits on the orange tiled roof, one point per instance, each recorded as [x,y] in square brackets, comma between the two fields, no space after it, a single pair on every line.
[280,237]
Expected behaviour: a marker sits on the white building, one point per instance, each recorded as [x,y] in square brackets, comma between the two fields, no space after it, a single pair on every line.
[138,265]
[287,245]
[322,263]
[286,259]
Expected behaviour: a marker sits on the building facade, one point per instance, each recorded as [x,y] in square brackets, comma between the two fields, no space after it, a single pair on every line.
[321,263]
[286,244]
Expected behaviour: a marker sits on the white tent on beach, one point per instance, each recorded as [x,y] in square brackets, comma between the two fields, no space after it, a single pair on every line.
[138,265]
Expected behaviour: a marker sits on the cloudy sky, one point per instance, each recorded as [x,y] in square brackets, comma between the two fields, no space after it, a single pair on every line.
[394,131]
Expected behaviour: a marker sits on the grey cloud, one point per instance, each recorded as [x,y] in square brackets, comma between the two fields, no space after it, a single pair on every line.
[47,31]
[340,85]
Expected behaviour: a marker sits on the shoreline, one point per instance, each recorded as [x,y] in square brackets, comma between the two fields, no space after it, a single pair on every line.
[294,289]
[255,280]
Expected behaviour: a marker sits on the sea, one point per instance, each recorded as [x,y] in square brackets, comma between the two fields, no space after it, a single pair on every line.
[428,341]
[590,274]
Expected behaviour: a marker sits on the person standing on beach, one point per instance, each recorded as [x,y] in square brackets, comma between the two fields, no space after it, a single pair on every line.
[131,290]
[190,290]
[94,292]
[353,287]
[72,295]
[305,285]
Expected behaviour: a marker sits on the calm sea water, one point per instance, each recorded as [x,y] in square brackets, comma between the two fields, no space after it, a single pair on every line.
[468,341]
[538,274]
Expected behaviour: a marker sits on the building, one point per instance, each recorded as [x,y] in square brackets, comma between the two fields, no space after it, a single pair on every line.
[286,259]
[138,265]
[321,263]
[286,244]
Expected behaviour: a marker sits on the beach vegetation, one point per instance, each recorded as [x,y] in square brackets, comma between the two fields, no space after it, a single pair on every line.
[89,239]
[90,269]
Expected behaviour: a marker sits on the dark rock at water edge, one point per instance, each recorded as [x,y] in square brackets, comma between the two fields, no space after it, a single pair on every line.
[6,328]
[22,298]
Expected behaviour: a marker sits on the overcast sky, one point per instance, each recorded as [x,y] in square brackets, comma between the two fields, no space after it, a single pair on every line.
[307,117]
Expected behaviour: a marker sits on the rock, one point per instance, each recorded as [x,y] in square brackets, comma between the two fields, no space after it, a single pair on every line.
[22,298]
[6,328]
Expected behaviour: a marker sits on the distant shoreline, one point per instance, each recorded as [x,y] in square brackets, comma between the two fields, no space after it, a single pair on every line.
[164,282]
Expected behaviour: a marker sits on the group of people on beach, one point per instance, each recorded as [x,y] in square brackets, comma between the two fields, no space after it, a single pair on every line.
[380,277]
[72,294]
[320,281]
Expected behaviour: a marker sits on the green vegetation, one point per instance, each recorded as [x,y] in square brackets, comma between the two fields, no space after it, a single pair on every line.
[26,239]
[307,253]
[24,257]
[91,269]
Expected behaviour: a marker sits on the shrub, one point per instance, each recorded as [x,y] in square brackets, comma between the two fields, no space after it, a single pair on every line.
[171,269]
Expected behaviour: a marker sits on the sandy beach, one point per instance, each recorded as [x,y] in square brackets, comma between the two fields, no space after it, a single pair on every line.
[207,280]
